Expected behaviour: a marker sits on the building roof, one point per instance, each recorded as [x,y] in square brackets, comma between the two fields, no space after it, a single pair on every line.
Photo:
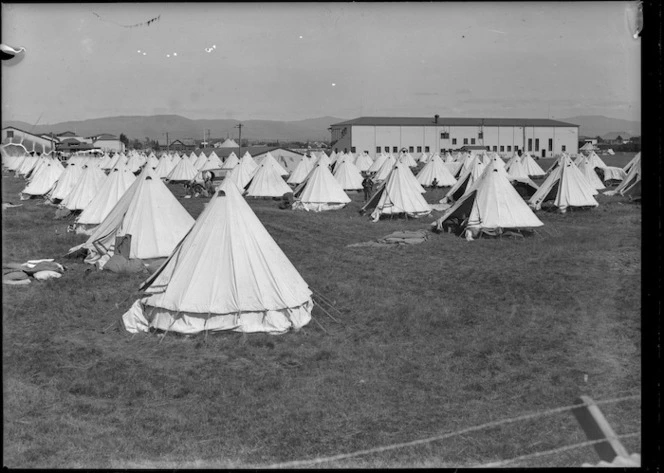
[66,133]
[31,134]
[106,136]
[451,121]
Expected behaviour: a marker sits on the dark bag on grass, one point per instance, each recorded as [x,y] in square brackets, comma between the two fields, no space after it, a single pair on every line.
[120,264]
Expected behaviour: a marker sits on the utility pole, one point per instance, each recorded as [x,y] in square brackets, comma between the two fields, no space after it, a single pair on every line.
[239,126]
[168,149]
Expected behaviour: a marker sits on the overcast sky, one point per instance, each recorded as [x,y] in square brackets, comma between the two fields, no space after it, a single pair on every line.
[296,61]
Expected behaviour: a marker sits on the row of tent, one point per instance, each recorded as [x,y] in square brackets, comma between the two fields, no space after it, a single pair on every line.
[225,272]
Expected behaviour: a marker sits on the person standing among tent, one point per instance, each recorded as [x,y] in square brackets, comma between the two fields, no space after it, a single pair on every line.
[367,185]
[434,183]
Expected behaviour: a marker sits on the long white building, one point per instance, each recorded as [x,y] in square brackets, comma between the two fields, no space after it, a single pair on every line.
[539,136]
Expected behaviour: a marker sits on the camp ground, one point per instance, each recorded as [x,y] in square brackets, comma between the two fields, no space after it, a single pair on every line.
[255,236]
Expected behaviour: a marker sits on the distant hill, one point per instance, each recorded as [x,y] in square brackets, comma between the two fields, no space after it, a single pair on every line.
[178,127]
[598,125]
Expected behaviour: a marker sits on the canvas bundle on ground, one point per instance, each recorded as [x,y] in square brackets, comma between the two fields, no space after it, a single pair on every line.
[226,274]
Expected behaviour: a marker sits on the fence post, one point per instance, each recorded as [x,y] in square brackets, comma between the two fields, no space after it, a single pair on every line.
[596,427]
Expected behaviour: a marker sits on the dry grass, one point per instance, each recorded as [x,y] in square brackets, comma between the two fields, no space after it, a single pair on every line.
[435,337]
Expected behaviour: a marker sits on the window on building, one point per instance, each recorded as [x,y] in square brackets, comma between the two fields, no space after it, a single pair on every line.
[564,148]
[502,148]
[509,148]
[472,141]
[442,150]
[352,149]
[419,149]
[516,148]
[445,135]
[453,141]
[465,141]
[426,149]
[377,149]
[10,133]
[495,148]
[530,144]
[387,149]
[480,135]
[536,144]
[395,149]
[411,149]
[550,144]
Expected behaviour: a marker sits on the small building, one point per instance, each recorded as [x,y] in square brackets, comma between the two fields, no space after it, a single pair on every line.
[31,142]
[108,143]
[179,145]
[72,145]
[539,136]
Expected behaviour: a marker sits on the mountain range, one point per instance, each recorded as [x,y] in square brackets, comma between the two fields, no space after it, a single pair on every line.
[313,129]
[155,127]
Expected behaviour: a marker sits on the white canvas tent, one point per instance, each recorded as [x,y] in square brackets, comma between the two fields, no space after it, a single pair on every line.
[320,191]
[491,204]
[633,178]
[348,176]
[465,181]
[184,171]
[266,181]
[435,169]
[397,195]
[385,169]
[66,182]
[301,171]
[45,179]
[164,167]
[242,173]
[566,187]
[228,273]
[231,162]
[363,162]
[112,189]
[591,176]
[147,222]
[83,192]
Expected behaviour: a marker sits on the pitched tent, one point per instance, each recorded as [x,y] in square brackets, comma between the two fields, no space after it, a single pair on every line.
[491,204]
[633,177]
[266,181]
[200,161]
[215,160]
[407,159]
[632,161]
[164,167]
[134,163]
[301,171]
[249,162]
[66,182]
[363,162]
[595,160]
[320,191]
[397,195]
[231,162]
[152,161]
[84,191]
[435,169]
[183,171]
[147,222]
[112,189]
[424,158]
[348,176]
[465,180]
[587,147]
[45,179]
[385,169]
[566,187]
[591,176]
[532,168]
[228,273]
[378,163]
[242,173]
[273,162]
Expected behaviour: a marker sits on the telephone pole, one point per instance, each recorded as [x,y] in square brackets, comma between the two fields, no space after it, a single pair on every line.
[168,149]
[239,126]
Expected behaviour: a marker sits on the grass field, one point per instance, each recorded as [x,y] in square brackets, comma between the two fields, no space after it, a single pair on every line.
[432,338]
